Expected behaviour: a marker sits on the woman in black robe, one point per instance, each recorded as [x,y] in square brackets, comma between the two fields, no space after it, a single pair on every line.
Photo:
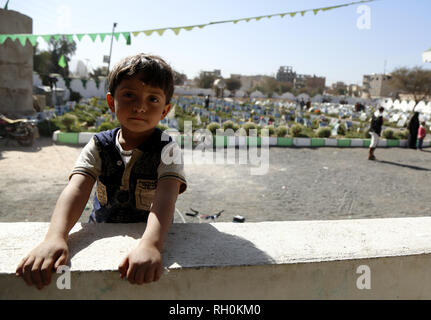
[413,130]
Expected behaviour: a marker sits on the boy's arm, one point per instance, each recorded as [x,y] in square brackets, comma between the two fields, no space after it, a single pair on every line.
[37,266]
[144,263]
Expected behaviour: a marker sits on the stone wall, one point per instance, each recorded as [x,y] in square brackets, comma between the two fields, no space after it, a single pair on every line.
[334,259]
[16,66]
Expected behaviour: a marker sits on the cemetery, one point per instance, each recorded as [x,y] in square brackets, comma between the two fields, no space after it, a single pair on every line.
[327,117]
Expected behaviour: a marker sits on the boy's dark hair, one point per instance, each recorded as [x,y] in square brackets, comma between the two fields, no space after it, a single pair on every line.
[156,73]
[381,109]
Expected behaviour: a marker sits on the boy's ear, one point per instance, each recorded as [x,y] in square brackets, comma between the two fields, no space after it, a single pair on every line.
[110,101]
[166,111]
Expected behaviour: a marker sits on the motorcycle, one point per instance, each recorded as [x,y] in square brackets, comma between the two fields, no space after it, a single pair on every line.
[21,130]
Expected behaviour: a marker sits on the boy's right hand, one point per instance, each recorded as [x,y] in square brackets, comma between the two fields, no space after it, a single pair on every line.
[36,268]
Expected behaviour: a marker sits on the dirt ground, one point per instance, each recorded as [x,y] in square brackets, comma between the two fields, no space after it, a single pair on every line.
[301,184]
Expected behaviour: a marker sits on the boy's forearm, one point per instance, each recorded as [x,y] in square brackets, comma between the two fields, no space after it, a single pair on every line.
[68,209]
[160,217]
[158,224]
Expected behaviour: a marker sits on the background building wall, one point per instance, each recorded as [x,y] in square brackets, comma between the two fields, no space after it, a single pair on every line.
[16,66]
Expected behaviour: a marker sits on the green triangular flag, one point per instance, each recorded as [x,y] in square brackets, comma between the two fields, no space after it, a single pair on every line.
[93,36]
[116,35]
[160,31]
[2,38]
[22,39]
[56,37]
[176,30]
[282,15]
[7,2]
[136,33]
[247,19]
[46,37]
[258,18]
[102,36]
[188,28]
[315,11]
[69,37]
[148,32]
[33,40]
[80,36]
[303,12]
[292,14]
[62,62]
[202,25]
[12,37]
[235,21]
[128,38]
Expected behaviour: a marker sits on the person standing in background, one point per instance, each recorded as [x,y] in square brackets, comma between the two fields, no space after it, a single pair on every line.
[413,130]
[421,135]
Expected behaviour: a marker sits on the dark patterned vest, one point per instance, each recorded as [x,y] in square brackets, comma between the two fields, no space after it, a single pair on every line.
[125,193]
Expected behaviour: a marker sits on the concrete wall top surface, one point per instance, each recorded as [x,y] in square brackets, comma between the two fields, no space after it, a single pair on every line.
[101,247]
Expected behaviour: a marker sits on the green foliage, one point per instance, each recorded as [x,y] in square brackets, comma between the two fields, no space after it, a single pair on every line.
[281,131]
[162,127]
[47,127]
[388,134]
[85,114]
[69,121]
[354,135]
[213,126]
[323,132]
[341,130]
[367,134]
[108,125]
[248,126]
[271,129]
[295,130]
[401,135]
[230,125]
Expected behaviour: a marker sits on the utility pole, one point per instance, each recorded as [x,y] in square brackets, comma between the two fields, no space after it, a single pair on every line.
[110,50]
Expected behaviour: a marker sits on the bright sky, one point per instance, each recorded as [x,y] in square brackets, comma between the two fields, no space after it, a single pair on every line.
[328,44]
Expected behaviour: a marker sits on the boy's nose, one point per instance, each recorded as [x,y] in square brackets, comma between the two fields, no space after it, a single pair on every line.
[140,108]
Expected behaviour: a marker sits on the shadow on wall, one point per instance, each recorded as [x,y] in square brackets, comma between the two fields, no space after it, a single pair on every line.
[187,245]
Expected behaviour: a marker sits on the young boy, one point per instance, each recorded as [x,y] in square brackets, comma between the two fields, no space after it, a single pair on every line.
[421,135]
[133,183]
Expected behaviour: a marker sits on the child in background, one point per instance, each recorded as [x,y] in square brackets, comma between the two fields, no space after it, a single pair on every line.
[421,135]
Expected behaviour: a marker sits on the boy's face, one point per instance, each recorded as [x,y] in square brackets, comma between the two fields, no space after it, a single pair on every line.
[138,106]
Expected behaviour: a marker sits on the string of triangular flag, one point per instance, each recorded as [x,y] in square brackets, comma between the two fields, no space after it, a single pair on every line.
[32,38]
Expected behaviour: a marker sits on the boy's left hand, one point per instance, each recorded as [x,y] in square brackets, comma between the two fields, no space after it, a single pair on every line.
[142,265]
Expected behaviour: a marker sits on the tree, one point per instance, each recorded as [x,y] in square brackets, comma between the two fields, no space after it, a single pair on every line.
[415,81]
[179,78]
[58,48]
[233,84]
[46,62]
[205,80]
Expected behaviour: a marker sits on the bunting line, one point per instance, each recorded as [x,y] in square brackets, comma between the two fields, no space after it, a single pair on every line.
[32,39]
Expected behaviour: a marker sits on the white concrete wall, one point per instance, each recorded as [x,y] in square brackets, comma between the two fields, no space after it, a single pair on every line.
[267,260]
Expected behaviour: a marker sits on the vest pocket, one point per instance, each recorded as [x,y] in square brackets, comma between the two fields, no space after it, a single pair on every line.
[102,195]
[144,193]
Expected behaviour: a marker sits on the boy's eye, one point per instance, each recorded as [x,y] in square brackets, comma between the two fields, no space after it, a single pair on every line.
[154,99]
[128,95]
